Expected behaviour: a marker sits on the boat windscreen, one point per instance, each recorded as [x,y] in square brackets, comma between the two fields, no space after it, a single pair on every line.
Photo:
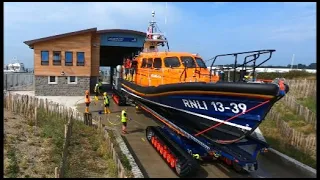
[171,62]
[200,63]
[188,62]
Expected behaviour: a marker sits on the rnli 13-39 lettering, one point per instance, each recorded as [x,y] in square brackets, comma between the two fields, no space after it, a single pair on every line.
[217,106]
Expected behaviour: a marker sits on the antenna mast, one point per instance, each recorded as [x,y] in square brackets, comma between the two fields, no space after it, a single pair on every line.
[292,61]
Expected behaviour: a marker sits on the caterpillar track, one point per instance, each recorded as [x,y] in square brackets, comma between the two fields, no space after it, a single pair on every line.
[181,162]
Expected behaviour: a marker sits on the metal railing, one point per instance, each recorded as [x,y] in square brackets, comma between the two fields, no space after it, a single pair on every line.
[254,54]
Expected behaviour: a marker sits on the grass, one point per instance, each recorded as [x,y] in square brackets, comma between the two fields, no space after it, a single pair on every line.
[276,141]
[89,155]
[12,169]
[123,158]
[310,103]
[52,127]
[294,121]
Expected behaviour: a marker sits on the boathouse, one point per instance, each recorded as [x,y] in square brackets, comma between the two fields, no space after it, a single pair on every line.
[68,64]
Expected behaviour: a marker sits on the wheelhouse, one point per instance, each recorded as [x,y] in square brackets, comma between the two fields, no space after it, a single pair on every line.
[171,61]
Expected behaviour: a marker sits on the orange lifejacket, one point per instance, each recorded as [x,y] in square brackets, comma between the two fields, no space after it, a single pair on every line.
[128,63]
[87,99]
[281,85]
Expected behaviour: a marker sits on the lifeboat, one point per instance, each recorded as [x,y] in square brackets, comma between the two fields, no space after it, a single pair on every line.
[198,98]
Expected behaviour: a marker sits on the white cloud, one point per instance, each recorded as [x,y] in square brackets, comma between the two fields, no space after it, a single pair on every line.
[95,14]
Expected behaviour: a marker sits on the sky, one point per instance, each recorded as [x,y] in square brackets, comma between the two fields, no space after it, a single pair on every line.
[207,28]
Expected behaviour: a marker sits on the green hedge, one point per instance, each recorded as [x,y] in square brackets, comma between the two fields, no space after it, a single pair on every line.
[272,75]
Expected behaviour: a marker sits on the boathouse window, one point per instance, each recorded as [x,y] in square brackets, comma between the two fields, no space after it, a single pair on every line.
[171,62]
[68,58]
[44,57]
[56,58]
[80,58]
[144,63]
[52,79]
[157,63]
[200,63]
[188,62]
[72,80]
[149,63]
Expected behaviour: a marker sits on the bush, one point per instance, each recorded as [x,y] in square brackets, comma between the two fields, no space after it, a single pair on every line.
[272,75]
[288,75]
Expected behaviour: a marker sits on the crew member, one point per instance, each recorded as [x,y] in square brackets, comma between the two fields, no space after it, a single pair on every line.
[134,65]
[282,87]
[100,85]
[87,101]
[97,90]
[106,103]
[124,121]
[123,69]
[127,67]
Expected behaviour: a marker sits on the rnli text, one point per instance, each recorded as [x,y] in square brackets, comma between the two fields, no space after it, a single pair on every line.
[217,106]
[195,104]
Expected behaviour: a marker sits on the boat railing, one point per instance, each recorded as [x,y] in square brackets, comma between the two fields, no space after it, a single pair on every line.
[249,54]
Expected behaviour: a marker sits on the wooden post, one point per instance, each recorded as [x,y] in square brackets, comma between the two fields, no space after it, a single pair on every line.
[35,116]
[85,118]
[100,124]
[56,172]
[12,104]
[47,109]
[65,131]
[27,105]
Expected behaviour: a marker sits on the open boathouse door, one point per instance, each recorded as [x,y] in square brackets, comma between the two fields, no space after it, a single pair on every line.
[115,45]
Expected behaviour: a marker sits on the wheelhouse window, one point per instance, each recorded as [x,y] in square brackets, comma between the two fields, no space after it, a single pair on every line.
[157,63]
[149,63]
[144,63]
[68,58]
[188,62]
[171,62]
[80,58]
[200,63]
[44,57]
[56,58]
[52,80]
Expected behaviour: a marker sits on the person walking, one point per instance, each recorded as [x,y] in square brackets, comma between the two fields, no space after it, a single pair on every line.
[124,119]
[97,90]
[106,103]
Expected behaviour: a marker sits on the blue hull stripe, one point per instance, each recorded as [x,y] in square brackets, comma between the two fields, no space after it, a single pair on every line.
[189,112]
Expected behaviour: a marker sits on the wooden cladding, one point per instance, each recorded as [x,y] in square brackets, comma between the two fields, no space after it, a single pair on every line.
[63,54]
[95,57]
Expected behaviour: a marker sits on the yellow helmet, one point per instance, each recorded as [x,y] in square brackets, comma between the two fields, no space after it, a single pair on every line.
[105,93]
